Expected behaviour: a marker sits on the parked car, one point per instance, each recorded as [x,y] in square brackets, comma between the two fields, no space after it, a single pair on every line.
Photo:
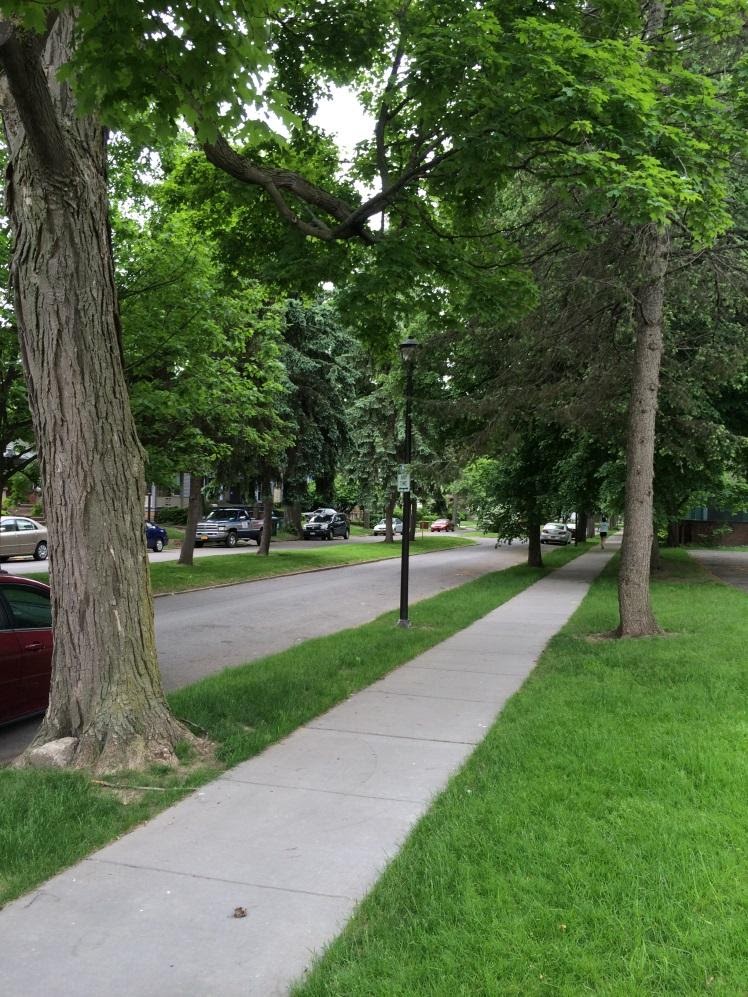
[156,537]
[325,525]
[381,528]
[22,537]
[25,647]
[555,533]
[228,525]
[442,525]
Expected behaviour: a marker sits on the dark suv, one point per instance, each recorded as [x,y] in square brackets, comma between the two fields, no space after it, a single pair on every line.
[326,524]
[228,526]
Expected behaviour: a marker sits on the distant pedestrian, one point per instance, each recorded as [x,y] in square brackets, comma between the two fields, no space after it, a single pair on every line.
[603,531]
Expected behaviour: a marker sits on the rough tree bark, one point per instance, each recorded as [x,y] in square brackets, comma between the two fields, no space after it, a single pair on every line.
[636,616]
[534,550]
[106,688]
[194,511]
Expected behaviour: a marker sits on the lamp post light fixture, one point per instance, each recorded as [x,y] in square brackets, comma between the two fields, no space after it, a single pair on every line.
[408,350]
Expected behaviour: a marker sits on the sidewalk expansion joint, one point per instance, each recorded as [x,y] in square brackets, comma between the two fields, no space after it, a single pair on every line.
[423,695]
[218,879]
[472,671]
[316,789]
[400,737]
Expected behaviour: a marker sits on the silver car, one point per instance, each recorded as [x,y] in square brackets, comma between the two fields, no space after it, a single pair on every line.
[555,533]
[381,528]
[20,536]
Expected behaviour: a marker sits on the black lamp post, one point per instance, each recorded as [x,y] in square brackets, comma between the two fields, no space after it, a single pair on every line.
[408,350]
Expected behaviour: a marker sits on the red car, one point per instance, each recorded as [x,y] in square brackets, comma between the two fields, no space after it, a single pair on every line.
[25,647]
[442,525]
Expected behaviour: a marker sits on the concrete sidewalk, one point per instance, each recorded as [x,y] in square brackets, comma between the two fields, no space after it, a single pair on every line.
[297,835]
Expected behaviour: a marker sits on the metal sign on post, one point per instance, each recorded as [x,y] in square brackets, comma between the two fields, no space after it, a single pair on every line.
[403,478]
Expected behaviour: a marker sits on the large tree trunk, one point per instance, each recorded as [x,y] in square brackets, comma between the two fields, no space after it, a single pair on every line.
[637,619]
[580,528]
[534,550]
[293,519]
[267,518]
[194,511]
[106,688]
[674,533]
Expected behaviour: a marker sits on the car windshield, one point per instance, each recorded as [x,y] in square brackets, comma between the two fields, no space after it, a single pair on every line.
[554,526]
[321,519]
[223,514]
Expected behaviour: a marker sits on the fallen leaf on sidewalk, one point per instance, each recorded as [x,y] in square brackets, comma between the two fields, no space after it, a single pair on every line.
[240,912]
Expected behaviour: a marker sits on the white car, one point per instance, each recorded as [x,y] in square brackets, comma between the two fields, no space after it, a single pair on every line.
[555,533]
[381,528]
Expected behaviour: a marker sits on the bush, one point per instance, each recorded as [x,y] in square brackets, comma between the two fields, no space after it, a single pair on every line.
[20,486]
[171,516]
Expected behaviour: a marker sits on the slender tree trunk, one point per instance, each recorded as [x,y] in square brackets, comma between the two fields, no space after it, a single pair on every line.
[194,511]
[106,688]
[389,510]
[534,550]
[655,560]
[267,518]
[636,617]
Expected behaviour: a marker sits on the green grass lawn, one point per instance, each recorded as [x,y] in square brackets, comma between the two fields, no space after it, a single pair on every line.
[246,566]
[597,841]
[48,820]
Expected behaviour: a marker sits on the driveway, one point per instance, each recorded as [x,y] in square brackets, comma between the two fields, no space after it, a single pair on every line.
[730,566]
[199,633]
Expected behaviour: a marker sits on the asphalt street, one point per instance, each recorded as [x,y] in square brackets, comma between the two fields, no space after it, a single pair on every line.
[199,633]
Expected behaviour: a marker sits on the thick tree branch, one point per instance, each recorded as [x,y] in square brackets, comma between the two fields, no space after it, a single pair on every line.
[21,60]
[274,182]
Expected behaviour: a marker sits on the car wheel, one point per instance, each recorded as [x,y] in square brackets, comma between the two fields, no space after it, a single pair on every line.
[158,545]
[329,535]
[231,539]
[259,538]
[198,543]
[40,554]
[346,535]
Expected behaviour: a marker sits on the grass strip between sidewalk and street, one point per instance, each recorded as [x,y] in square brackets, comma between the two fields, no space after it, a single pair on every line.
[596,841]
[246,566]
[51,819]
